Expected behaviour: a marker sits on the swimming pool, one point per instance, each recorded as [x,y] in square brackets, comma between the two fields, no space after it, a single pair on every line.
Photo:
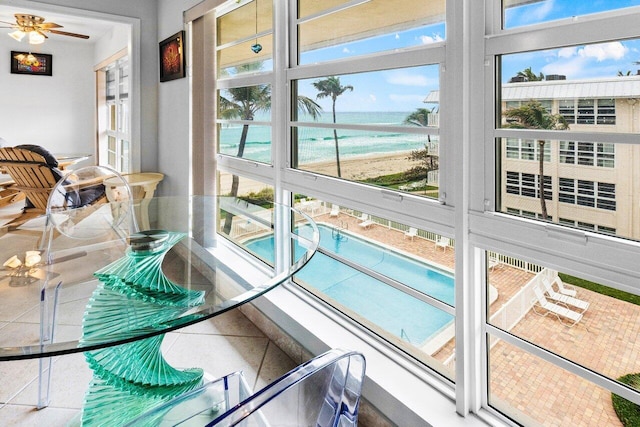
[396,312]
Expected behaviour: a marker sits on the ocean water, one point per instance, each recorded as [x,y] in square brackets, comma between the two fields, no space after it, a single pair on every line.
[317,144]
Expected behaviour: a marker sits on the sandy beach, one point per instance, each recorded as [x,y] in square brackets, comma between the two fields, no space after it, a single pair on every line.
[353,169]
[363,167]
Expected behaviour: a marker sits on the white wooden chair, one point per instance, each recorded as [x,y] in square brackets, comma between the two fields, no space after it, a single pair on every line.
[443,242]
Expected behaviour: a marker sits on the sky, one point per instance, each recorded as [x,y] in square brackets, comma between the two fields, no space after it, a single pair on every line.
[405,89]
[576,62]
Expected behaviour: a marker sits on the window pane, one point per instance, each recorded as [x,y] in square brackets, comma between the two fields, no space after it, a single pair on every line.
[586,323]
[238,229]
[369,142]
[239,33]
[567,195]
[328,32]
[418,260]
[532,391]
[237,136]
[590,98]
[584,79]
[519,13]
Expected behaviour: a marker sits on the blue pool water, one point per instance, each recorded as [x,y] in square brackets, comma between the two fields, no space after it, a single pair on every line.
[390,309]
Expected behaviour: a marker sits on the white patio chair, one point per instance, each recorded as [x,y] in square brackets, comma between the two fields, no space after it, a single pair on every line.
[493,262]
[443,242]
[412,232]
[335,211]
[365,221]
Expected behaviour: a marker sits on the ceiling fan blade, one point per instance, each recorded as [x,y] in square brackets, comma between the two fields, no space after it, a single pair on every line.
[13,24]
[65,33]
[42,33]
[49,25]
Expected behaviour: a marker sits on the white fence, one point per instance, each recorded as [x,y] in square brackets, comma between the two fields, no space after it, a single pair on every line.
[519,305]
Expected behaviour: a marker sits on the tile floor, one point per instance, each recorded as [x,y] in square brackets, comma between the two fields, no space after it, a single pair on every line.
[222,345]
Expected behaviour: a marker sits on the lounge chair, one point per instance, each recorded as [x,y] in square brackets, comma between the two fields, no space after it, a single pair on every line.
[443,242]
[412,232]
[564,299]
[335,211]
[557,310]
[564,288]
[365,221]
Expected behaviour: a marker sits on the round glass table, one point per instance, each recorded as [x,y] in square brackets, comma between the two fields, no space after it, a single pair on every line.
[91,283]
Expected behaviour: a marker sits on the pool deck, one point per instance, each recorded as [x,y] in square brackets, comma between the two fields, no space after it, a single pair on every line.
[605,341]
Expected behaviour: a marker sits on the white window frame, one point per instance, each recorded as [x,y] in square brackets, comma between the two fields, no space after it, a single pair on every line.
[610,261]
[466,211]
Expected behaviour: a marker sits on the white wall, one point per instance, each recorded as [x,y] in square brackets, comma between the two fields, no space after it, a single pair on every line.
[55,112]
[173,114]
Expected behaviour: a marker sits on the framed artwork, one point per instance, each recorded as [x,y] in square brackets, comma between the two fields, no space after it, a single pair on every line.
[36,64]
[172,57]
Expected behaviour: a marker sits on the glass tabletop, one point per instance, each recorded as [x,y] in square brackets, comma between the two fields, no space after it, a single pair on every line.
[94,282]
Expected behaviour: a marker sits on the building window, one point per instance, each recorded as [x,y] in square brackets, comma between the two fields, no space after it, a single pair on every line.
[587,154]
[588,193]
[526,184]
[526,149]
[588,111]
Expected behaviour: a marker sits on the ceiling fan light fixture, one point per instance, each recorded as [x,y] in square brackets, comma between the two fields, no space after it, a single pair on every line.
[35,38]
[17,35]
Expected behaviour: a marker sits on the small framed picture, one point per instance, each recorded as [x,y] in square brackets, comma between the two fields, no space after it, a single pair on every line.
[172,57]
[37,64]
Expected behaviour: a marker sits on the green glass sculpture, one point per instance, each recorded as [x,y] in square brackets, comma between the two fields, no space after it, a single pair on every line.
[134,295]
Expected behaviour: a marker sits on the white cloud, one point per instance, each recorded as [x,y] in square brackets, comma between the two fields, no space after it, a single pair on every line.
[431,39]
[604,51]
[528,14]
[567,52]
[404,78]
[579,62]
[540,13]
[372,97]
[572,68]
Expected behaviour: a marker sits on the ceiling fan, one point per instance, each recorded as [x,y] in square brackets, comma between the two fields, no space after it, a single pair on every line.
[36,28]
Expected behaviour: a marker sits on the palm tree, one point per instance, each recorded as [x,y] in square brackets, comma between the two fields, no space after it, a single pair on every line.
[428,161]
[533,115]
[243,104]
[420,117]
[331,88]
[530,76]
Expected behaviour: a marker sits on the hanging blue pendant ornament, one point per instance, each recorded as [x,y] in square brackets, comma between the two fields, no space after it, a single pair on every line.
[256,47]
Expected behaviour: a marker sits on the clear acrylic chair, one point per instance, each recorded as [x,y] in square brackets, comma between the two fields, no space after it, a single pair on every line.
[324,391]
[81,218]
